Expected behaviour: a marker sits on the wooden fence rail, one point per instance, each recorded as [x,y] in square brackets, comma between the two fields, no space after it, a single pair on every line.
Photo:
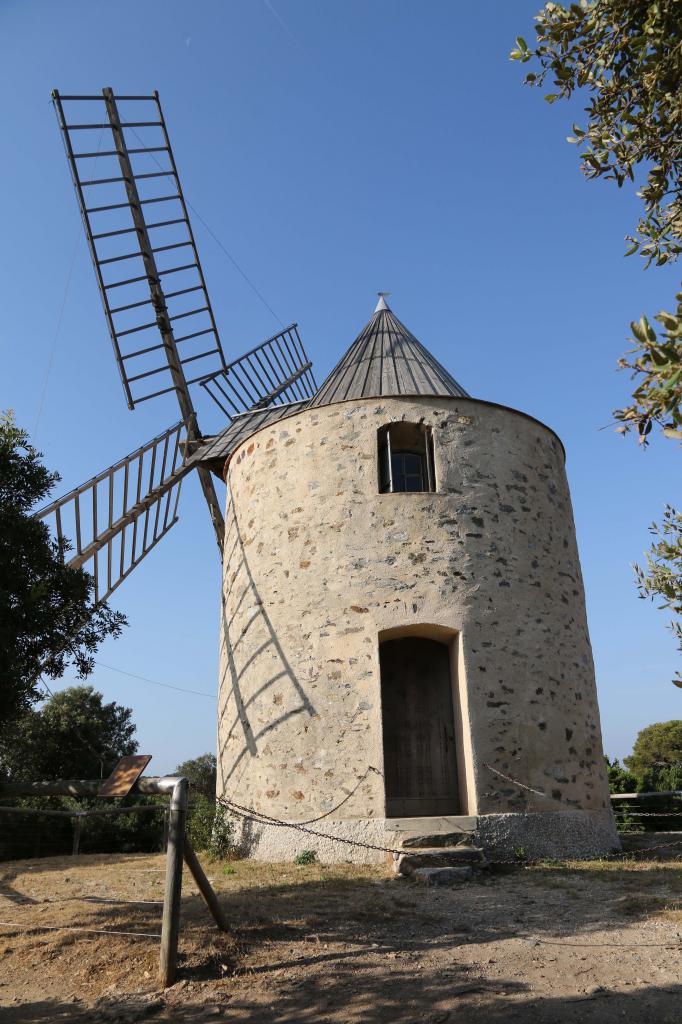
[178,847]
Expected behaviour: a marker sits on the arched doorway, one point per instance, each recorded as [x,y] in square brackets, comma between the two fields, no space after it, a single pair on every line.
[420,757]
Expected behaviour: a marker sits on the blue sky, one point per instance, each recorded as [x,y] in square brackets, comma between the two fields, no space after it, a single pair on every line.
[336,149]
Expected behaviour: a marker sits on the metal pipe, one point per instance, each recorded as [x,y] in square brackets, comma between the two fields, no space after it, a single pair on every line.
[170,925]
[638,796]
[147,786]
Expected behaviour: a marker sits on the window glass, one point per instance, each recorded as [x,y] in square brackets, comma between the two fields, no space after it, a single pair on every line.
[405,460]
[408,471]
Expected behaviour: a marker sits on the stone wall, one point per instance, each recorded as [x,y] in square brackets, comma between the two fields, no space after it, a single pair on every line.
[318,563]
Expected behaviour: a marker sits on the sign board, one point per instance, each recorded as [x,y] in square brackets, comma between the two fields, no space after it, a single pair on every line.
[125,775]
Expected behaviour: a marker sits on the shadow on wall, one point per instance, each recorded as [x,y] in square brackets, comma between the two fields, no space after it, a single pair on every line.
[256,641]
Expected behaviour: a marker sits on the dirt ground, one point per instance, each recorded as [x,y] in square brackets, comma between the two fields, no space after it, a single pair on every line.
[576,942]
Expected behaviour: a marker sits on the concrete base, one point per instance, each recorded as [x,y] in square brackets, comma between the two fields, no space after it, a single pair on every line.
[550,834]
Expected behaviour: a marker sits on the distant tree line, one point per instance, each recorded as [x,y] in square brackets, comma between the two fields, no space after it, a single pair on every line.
[48,622]
[655,765]
[75,734]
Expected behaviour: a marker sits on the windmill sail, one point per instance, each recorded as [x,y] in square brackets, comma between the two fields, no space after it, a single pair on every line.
[277,371]
[149,275]
[114,520]
[141,242]
[126,190]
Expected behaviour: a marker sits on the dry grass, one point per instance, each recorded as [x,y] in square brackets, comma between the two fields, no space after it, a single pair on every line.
[343,944]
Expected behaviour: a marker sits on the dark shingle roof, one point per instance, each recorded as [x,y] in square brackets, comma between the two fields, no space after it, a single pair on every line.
[216,449]
[386,359]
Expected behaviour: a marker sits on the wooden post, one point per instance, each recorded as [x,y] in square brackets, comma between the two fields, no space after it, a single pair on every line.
[205,887]
[170,925]
[76,835]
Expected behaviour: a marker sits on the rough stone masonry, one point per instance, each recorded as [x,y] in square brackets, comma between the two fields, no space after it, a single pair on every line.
[320,567]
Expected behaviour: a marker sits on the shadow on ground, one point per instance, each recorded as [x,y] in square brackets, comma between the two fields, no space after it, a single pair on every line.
[414,1001]
[351,945]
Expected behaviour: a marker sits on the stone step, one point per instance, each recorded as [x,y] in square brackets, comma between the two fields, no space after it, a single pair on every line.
[460,824]
[439,857]
[417,840]
[443,876]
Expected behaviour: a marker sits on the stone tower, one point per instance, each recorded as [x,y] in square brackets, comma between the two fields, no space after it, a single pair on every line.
[404,642]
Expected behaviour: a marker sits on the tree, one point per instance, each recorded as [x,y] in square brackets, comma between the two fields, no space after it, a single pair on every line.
[663,575]
[202,773]
[656,758]
[209,826]
[620,780]
[74,735]
[627,56]
[47,616]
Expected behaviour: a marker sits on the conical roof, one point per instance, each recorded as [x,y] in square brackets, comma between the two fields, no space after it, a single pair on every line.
[386,359]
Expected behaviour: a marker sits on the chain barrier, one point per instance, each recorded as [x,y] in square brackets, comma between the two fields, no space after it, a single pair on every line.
[260,818]
[521,785]
[648,814]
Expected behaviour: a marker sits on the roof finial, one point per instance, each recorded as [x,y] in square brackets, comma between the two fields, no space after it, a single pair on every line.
[382,304]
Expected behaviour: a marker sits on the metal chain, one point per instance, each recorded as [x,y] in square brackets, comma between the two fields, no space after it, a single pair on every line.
[249,814]
[515,782]
[259,818]
[646,849]
[649,814]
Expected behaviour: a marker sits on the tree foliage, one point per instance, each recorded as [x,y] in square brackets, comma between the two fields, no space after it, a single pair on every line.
[656,362]
[47,616]
[662,577]
[209,826]
[74,735]
[626,55]
[202,773]
[620,779]
[656,758]
[655,766]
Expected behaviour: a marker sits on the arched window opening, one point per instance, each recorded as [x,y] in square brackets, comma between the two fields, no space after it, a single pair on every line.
[406,458]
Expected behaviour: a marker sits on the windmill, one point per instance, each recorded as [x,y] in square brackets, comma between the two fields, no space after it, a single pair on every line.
[163,332]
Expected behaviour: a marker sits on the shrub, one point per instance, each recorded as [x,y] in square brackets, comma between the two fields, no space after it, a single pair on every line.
[306,857]
[210,829]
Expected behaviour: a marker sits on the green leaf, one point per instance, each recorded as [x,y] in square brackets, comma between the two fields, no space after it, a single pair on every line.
[551,97]
[671,432]
[638,331]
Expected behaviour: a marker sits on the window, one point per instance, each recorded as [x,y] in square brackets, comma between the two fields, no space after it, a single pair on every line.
[406,458]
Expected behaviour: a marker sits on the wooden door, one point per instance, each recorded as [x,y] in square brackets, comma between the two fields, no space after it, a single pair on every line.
[420,761]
